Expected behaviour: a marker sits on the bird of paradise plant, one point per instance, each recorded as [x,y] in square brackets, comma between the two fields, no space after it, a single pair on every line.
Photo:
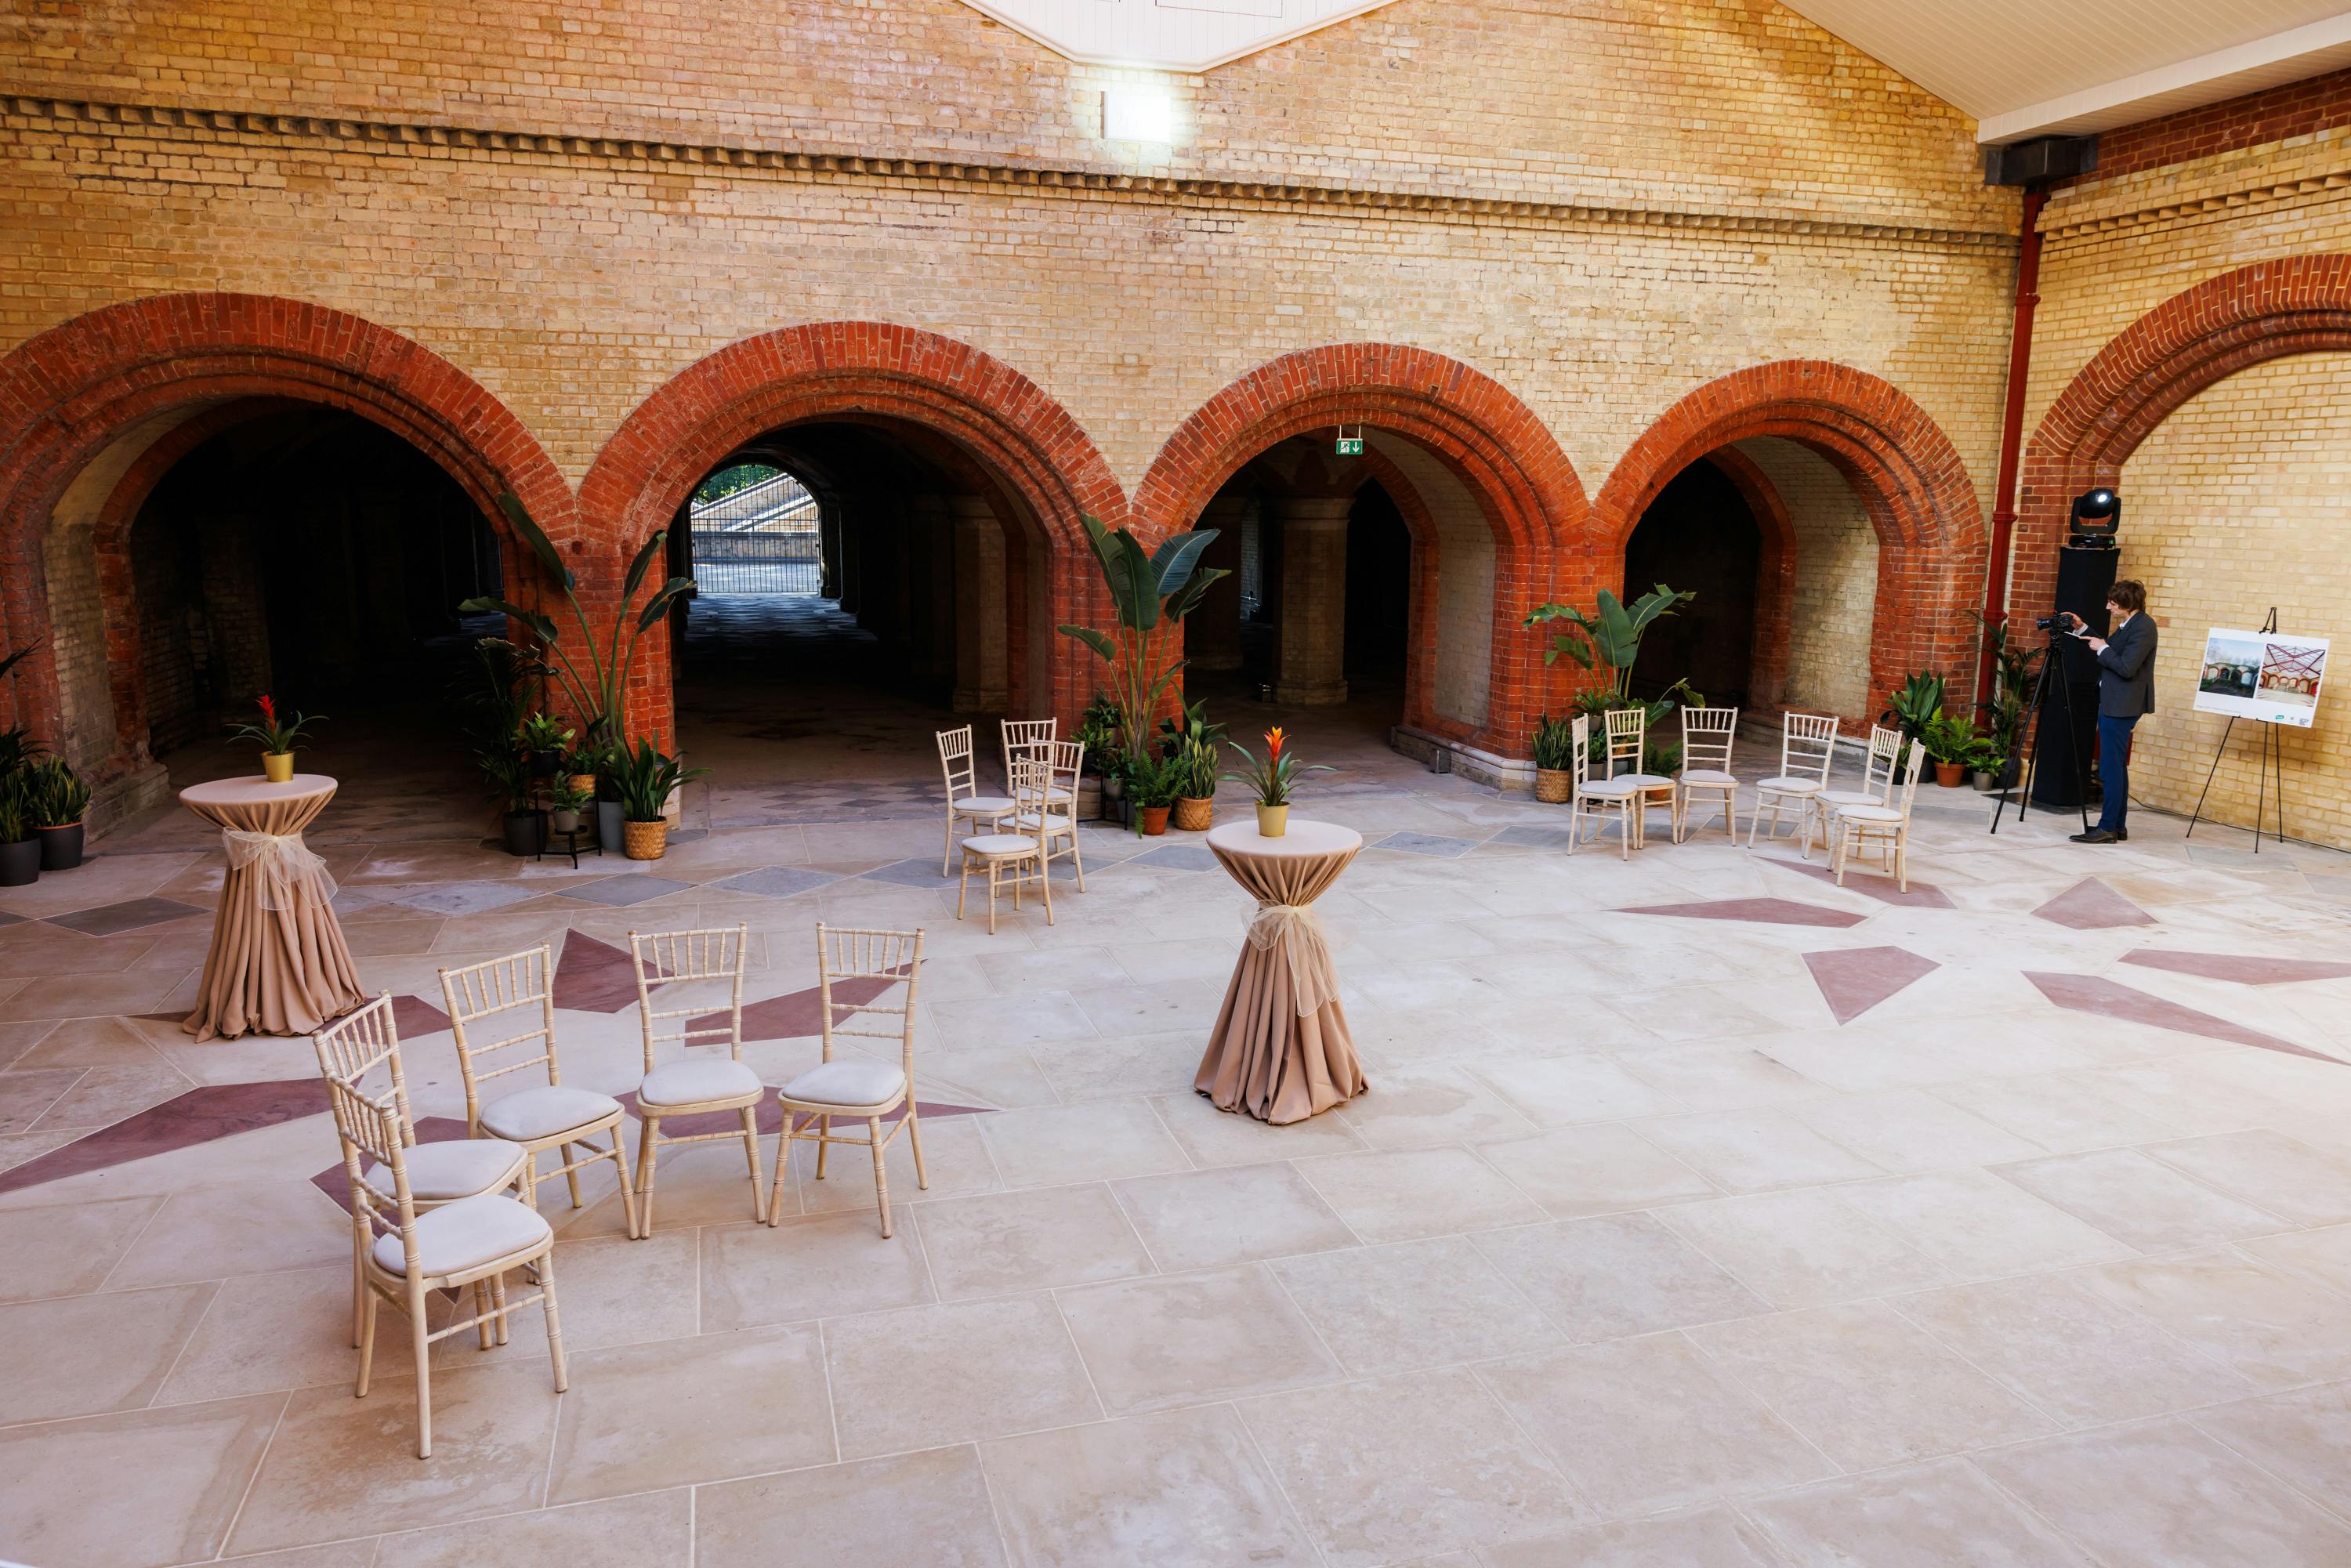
[1151,592]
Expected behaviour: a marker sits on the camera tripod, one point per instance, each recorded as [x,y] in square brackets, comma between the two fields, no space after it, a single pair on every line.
[2051,661]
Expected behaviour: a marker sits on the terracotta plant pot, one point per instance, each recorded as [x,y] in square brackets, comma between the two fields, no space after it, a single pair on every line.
[1194,813]
[60,846]
[278,767]
[1273,822]
[1950,775]
[1154,820]
[644,841]
[1554,786]
[20,862]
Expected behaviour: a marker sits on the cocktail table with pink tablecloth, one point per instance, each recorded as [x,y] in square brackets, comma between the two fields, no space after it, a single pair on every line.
[278,963]
[1281,1050]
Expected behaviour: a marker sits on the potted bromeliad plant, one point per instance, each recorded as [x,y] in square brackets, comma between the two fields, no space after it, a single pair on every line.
[276,737]
[1554,749]
[1272,780]
[647,778]
[59,799]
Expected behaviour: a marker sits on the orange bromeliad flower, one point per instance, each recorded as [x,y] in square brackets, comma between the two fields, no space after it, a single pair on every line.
[268,709]
[1273,742]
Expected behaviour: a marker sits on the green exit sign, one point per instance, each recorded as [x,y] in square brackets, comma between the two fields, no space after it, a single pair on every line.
[1350,446]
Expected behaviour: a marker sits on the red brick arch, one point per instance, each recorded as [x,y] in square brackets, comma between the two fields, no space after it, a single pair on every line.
[1904,469]
[134,369]
[1482,432]
[2294,305]
[867,371]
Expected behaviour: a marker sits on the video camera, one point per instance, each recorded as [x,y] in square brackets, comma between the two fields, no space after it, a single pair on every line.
[2059,620]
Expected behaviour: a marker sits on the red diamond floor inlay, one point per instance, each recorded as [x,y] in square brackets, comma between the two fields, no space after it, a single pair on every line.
[1761,911]
[414,1016]
[1855,979]
[593,977]
[198,1116]
[2091,905]
[795,1013]
[1871,884]
[2108,999]
[2245,968]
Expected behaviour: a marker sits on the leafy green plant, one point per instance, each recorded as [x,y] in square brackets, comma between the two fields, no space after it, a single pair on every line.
[1554,745]
[1610,636]
[543,734]
[1193,745]
[1657,756]
[2014,671]
[1949,738]
[508,772]
[1272,779]
[598,692]
[1151,592]
[1916,704]
[564,797]
[1098,732]
[56,795]
[647,778]
[16,808]
[273,733]
[1154,781]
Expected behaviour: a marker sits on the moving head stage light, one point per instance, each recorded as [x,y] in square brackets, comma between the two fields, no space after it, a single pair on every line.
[2098,515]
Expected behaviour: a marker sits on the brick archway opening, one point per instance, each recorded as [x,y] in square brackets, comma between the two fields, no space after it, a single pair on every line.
[951,474]
[1840,466]
[1495,514]
[97,413]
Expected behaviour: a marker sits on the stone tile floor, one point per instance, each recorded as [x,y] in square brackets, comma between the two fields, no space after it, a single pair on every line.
[1700,1213]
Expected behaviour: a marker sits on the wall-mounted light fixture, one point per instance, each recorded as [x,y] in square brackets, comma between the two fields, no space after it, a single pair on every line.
[1135,111]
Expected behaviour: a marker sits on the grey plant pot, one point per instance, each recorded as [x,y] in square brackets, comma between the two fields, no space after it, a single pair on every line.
[60,846]
[20,862]
[607,823]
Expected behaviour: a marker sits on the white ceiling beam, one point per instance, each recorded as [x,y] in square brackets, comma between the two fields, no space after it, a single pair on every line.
[2290,56]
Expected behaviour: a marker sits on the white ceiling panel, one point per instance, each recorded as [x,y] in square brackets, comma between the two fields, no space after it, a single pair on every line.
[1170,34]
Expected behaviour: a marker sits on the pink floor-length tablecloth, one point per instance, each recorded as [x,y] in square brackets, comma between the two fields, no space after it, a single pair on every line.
[283,970]
[1265,1057]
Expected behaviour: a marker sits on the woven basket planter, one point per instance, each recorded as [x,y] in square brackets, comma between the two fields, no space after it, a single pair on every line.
[1193,814]
[644,841]
[1554,786]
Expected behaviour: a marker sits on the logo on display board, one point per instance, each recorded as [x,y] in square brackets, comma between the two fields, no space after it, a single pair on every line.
[2263,676]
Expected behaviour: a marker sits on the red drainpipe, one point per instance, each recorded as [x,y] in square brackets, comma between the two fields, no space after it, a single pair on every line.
[2012,426]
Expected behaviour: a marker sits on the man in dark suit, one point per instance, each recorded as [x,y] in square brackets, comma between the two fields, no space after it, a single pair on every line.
[2126,691]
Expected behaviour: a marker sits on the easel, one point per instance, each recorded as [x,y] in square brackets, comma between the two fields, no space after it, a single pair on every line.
[2273,764]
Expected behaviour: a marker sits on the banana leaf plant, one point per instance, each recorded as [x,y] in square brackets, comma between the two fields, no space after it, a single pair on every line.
[597,692]
[1151,591]
[1610,636]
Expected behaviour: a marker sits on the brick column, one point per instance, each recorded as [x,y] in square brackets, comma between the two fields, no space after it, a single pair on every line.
[981,683]
[930,558]
[1313,598]
[1212,634]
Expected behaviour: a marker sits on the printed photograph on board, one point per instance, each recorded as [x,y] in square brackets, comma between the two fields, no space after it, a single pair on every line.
[2261,675]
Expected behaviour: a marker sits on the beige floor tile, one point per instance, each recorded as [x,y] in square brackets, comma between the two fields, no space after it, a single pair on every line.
[2166,1494]
[1708,1077]
[828,1267]
[2139,1200]
[914,1510]
[1213,1137]
[1005,1076]
[1579,1171]
[705,1408]
[1909,1129]
[1978,1225]
[1413,1107]
[954,1155]
[82,1355]
[1184,1490]
[360,1554]
[1614,1275]
[64,1503]
[1121,1066]
[341,1466]
[85,1042]
[1022,1020]
[222,1232]
[1710,1538]
[1413,1305]
[1755,1150]
[2055,1110]
[1645,1425]
[2268,1325]
[952,1373]
[702,1183]
[655,1528]
[1801,1249]
[2303,1437]
[2071,1351]
[1565,1090]
[1867,1386]
[267,1331]
[1408,1466]
[62,1250]
[1203,1219]
[1934,1515]
[1049,1145]
[1404,1195]
[2323,1256]
[1153,1345]
[1038,1238]
[28,1093]
[2270,1170]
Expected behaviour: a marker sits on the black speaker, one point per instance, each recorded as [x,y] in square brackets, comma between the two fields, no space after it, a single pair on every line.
[2069,709]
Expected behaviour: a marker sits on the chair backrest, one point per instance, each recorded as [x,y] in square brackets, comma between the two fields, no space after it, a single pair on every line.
[1032,787]
[360,1042]
[859,971]
[1023,737]
[955,763]
[668,958]
[1628,735]
[1068,762]
[373,1128]
[1884,754]
[1911,769]
[1708,734]
[519,984]
[1807,746]
[1580,742]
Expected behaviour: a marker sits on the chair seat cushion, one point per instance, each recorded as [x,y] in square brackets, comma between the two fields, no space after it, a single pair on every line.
[465,1235]
[459,1167]
[1001,845]
[1707,776]
[530,1116]
[700,1082]
[1847,798]
[985,806]
[1876,815]
[1608,788]
[1055,823]
[851,1080]
[1790,785]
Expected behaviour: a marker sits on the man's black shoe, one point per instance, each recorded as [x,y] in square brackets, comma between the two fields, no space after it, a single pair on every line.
[2097,836]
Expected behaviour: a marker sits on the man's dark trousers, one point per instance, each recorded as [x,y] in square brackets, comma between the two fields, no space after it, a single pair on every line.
[2114,769]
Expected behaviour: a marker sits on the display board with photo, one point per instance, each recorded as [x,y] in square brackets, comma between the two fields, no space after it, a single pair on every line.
[2263,676]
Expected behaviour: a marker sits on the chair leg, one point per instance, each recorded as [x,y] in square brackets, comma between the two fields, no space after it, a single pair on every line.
[915,1135]
[367,1341]
[881,1172]
[571,1174]
[483,1326]
[1902,859]
[499,1303]
[963,886]
[783,1158]
[824,1127]
[648,1167]
[751,1152]
[628,1189]
[991,897]
[1077,856]
[946,851]
[530,1178]
[546,1267]
[359,1270]
[422,1347]
[1045,885]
